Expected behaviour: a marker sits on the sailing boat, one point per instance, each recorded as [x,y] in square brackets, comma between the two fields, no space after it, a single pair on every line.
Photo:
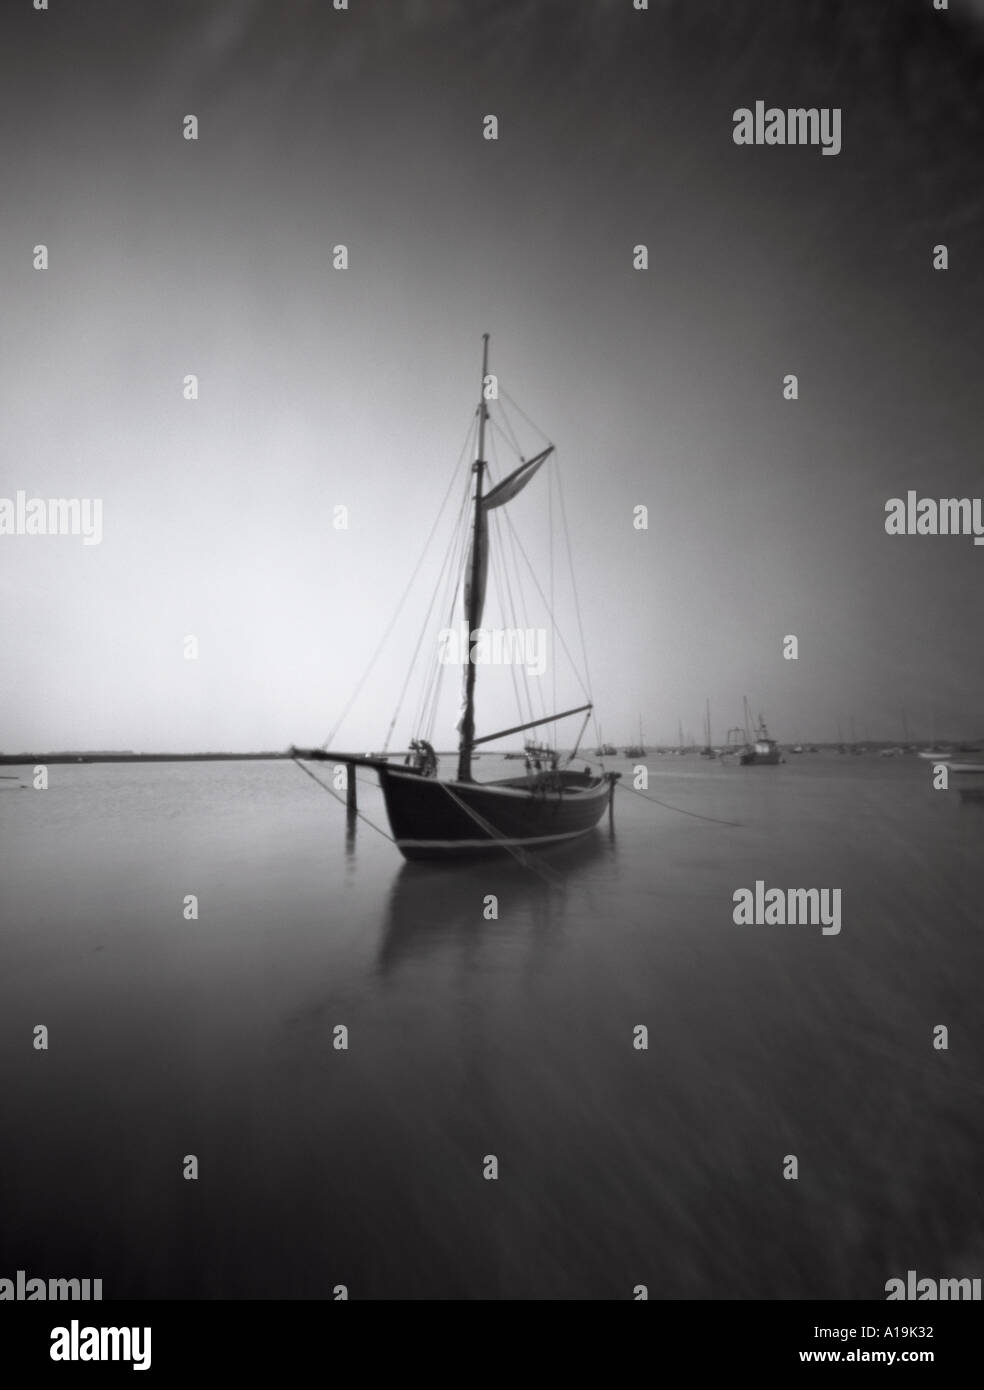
[452,819]
[604,750]
[636,750]
[707,751]
[764,751]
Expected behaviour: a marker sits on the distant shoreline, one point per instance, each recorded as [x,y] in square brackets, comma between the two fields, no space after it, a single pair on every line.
[20,759]
[26,759]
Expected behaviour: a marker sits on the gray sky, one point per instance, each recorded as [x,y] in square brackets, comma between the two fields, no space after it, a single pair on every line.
[321,387]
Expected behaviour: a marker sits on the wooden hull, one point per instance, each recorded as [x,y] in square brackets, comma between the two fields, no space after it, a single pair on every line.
[431,819]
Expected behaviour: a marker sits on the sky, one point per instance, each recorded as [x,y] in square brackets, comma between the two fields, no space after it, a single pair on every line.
[321,388]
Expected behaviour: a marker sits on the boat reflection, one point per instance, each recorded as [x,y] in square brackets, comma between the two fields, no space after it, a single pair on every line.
[435,909]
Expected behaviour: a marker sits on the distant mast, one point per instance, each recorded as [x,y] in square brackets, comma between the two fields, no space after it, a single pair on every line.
[474,597]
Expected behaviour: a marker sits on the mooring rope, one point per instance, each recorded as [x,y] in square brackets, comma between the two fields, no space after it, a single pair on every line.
[715,820]
[331,792]
[548,875]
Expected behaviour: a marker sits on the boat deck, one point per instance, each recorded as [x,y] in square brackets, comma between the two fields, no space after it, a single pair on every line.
[565,781]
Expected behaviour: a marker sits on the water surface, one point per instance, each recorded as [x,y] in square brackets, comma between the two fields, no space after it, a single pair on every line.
[470,1037]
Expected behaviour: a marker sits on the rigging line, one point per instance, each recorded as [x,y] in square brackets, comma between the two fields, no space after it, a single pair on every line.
[577,743]
[447,569]
[447,575]
[715,820]
[499,566]
[577,673]
[550,549]
[453,573]
[494,429]
[416,650]
[515,541]
[455,584]
[510,443]
[455,581]
[509,428]
[548,875]
[331,792]
[522,609]
[504,393]
[570,561]
[429,711]
[495,563]
[406,591]
[504,589]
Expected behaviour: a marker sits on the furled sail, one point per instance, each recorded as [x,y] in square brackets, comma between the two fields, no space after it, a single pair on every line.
[473,612]
[498,496]
[502,493]
[506,490]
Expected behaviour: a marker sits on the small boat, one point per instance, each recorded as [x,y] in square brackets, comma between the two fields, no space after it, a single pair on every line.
[636,750]
[541,757]
[449,819]
[763,751]
[759,749]
[708,750]
[937,754]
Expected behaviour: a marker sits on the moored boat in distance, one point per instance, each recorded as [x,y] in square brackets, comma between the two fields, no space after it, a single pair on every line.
[605,750]
[940,754]
[762,750]
[708,750]
[636,750]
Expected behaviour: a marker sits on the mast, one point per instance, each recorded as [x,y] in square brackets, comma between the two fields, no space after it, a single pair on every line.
[468,719]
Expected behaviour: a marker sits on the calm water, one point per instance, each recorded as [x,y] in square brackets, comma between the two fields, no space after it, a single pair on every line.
[470,1037]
